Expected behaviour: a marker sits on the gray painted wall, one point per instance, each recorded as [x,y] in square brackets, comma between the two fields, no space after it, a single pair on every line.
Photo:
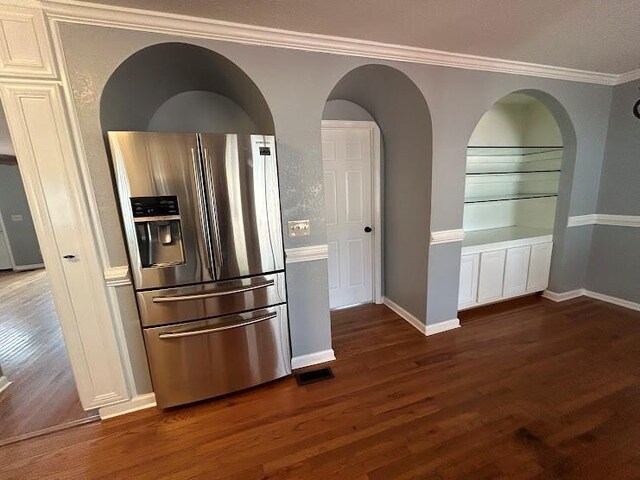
[20,233]
[296,86]
[198,111]
[405,128]
[614,266]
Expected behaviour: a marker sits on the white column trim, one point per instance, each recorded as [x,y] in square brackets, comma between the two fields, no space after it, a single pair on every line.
[139,402]
[314,358]
[447,236]
[74,11]
[117,276]
[307,254]
[426,330]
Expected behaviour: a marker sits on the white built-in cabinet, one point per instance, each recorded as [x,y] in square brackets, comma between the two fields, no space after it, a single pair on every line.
[503,272]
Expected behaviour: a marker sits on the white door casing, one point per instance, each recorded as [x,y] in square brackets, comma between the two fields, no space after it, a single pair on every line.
[6,256]
[351,184]
[37,123]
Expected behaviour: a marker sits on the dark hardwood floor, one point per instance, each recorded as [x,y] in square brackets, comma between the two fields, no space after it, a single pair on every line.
[33,356]
[540,390]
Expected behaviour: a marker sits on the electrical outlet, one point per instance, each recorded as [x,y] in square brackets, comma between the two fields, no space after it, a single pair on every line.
[16,218]
[299,228]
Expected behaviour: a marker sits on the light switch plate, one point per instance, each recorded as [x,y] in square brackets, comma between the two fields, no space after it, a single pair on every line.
[299,228]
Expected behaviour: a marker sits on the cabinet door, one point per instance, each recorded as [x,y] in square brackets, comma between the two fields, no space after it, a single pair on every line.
[515,271]
[491,275]
[539,267]
[468,290]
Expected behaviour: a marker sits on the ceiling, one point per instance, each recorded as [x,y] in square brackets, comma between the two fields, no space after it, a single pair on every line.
[592,35]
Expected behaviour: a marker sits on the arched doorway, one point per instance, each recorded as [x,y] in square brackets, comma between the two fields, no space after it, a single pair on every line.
[385,97]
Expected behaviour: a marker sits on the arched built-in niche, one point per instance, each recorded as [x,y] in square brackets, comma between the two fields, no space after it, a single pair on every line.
[520,160]
[389,98]
[179,87]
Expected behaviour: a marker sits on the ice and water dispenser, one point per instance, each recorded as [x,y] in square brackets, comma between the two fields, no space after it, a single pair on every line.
[158,230]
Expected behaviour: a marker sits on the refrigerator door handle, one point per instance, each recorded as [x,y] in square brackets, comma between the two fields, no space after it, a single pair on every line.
[218,293]
[219,260]
[204,331]
[202,208]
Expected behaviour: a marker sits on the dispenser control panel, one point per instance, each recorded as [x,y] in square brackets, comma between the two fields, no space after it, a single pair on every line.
[155,206]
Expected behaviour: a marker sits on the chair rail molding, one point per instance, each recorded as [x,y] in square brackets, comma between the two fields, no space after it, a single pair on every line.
[447,236]
[74,11]
[307,254]
[604,219]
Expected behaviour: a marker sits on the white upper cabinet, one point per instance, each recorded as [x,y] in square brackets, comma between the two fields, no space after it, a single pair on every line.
[24,45]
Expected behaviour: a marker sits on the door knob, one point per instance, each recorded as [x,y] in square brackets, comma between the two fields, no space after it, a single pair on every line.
[367,229]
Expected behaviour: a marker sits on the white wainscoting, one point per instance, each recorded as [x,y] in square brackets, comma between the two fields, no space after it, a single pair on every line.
[24,45]
[307,254]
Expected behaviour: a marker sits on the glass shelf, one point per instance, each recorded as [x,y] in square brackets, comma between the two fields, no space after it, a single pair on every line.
[508,197]
[506,151]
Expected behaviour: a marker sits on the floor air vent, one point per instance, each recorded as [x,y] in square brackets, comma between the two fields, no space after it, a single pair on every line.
[312,376]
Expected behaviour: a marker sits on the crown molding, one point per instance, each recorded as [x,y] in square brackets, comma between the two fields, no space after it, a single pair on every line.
[628,77]
[74,11]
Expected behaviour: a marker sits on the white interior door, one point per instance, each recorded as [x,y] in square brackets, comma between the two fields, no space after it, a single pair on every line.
[347,160]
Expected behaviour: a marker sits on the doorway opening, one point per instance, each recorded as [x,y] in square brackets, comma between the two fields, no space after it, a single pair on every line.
[38,392]
[376,115]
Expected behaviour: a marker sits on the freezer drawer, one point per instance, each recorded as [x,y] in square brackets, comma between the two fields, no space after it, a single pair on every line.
[204,359]
[173,305]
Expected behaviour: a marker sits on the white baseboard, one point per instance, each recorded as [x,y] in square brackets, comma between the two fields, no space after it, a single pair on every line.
[561,297]
[312,359]
[613,300]
[4,383]
[139,402]
[35,266]
[443,326]
[408,317]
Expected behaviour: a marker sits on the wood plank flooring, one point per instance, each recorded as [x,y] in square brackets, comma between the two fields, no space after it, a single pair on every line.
[541,390]
[33,356]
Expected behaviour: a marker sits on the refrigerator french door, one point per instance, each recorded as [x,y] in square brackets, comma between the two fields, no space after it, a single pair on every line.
[201,215]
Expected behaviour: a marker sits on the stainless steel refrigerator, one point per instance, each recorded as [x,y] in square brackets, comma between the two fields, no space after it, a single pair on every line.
[201,214]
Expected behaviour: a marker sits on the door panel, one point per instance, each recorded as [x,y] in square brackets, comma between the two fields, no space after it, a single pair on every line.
[347,160]
[491,275]
[199,360]
[244,204]
[515,270]
[540,266]
[468,289]
[163,165]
